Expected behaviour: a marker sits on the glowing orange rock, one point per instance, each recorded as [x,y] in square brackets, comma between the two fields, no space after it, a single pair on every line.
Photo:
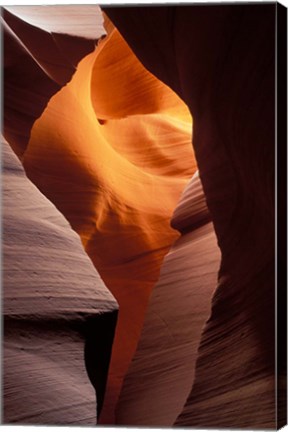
[39,59]
[106,152]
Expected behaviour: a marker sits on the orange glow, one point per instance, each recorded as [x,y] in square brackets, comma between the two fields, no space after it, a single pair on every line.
[106,152]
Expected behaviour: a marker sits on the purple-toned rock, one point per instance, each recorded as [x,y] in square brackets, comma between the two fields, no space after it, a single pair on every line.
[58,315]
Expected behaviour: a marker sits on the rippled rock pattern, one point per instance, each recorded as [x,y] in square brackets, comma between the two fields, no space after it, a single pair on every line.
[55,307]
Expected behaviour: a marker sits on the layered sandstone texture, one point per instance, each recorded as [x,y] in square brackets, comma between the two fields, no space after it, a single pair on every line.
[55,308]
[223,66]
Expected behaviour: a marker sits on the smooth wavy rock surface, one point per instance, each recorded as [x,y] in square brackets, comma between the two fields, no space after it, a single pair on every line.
[106,152]
[223,66]
[55,307]
[162,371]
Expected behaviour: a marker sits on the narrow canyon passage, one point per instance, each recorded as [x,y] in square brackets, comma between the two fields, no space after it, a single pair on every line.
[155,140]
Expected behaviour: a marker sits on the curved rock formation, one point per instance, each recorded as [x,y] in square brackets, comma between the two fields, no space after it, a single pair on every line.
[110,187]
[162,371]
[226,76]
[54,302]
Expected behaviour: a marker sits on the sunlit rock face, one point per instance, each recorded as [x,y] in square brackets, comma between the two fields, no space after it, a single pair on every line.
[106,152]
[105,169]
[223,65]
[56,311]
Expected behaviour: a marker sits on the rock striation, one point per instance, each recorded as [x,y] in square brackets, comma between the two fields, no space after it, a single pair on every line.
[55,308]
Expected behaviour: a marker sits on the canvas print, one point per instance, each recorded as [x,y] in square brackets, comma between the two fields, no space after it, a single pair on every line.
[144,215]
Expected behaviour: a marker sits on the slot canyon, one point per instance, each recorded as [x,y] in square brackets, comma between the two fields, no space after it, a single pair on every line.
[138,183]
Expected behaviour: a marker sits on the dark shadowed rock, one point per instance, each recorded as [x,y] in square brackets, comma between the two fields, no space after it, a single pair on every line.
[221,61]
